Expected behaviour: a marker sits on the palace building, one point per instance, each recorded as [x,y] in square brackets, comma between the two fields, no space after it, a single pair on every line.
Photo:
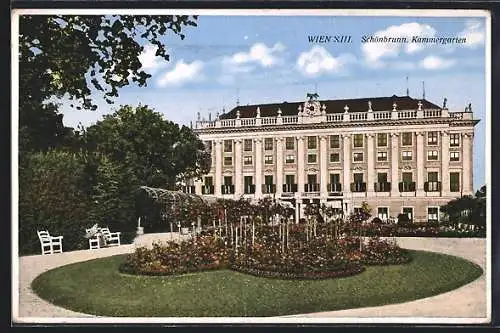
[398,154]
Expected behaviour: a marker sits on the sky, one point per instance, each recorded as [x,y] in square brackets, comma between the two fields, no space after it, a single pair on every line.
[269,59]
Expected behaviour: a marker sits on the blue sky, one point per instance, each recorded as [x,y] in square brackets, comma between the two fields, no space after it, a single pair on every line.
[269,59]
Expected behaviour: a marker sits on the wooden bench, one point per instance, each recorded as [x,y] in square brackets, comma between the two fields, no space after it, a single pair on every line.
[50,244]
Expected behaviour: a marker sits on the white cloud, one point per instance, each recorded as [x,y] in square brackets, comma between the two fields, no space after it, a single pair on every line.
[474,33]
[318,61]
[150,62]
[403,65]
[375,51]
[182,73]
[436,63]
[258,53]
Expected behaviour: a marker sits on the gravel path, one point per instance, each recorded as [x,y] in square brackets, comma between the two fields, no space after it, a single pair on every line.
[463,303]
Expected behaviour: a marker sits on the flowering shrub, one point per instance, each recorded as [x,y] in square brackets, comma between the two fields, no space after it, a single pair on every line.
[383,252]
[173,258]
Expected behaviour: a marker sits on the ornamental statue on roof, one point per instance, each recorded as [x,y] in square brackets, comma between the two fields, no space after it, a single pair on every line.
[312,106]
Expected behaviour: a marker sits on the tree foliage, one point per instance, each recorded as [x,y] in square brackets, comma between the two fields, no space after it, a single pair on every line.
[467,209]
[77,56]
[156,150]
[53,196]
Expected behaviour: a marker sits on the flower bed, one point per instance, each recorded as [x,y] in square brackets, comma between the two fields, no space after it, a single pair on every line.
[202,253]
[318,257]
[351,269]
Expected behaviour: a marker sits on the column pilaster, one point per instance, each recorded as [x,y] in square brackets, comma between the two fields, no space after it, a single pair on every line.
[279,167]
[467,176]
[258,167]
[445,161]
[300,164]
[420,164]
[394,164]
[370,151]
[323,166]
[346,159]
[238,173]
[218,168]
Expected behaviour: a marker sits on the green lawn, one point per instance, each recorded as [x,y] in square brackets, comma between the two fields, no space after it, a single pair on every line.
[96,287]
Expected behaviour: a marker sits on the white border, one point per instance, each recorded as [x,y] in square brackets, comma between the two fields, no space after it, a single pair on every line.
[239,12]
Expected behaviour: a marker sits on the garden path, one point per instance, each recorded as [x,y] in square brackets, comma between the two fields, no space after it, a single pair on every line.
[464,302]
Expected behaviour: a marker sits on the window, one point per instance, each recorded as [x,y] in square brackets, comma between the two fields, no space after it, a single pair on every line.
[432,155]
[268,180]
[289,179]
[334,157]
[228,146]
[454,156]
[358,140]
[381,156]
[247,145]
[432,138]
[382,140]
[290,159]
[311,179]
[406,155]
[432,214]
[358,157]
[248,180]
[228,160]
[408,211]
[382,177]
[455,140]
[228,180]
[358,177]
[311,158]
[268,159]
[334,141]
[311,142]
[290,143]
[383,213]
[407,177]
[247,160]
[334,178]
[209,181]
[432,176]
[268,144]
[407,139]
[454,182]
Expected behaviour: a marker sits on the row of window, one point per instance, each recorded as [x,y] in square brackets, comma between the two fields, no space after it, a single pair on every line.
[432,155]
[383,213]
[382,178]
[358,141]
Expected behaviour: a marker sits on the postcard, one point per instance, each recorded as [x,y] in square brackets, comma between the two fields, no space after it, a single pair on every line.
[251,166]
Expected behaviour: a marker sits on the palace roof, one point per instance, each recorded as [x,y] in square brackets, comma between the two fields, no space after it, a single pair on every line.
[332,106]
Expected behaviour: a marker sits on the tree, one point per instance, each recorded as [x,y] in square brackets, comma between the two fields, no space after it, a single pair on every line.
[467,209]
[77,56]
[157,150]
[53,196]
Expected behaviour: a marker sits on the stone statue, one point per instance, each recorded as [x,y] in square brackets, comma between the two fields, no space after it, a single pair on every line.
[312,97]
[444,102]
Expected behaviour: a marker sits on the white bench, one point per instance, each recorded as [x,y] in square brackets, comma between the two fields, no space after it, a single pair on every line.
[112,238]
[93,237]
[50,244]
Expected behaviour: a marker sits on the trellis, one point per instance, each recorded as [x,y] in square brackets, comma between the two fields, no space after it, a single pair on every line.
[169,200]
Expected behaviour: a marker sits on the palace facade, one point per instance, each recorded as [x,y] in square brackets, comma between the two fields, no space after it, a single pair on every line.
[398,154]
